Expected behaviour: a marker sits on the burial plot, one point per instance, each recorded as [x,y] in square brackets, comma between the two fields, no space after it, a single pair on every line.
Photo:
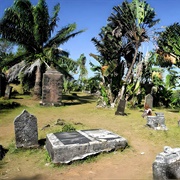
[121,107]
[52,88]
[65,147]
[149,101]
[26,132]
[167,164]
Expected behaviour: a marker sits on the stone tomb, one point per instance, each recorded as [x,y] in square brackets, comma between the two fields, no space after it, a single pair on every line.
[157,122]
[167,164]
[26,132]
[65,147]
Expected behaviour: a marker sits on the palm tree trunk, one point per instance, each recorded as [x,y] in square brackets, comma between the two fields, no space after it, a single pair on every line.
[121,94]
[38,84]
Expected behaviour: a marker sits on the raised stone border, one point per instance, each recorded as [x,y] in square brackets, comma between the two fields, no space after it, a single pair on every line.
[65,147]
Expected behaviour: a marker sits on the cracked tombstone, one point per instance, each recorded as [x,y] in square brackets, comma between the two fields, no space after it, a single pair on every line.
[26,132]
[167,164]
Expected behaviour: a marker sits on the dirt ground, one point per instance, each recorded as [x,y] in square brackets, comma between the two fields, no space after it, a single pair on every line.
[135,162]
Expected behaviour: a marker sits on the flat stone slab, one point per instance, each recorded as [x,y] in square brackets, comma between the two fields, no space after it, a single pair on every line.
[64,147]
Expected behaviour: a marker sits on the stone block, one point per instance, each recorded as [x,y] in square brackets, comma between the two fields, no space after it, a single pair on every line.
[26,132]
[65,147]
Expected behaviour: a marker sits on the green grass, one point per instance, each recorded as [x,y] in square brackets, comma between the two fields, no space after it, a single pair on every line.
[85,115]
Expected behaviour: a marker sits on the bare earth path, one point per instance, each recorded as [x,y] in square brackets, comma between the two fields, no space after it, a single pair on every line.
[134,162]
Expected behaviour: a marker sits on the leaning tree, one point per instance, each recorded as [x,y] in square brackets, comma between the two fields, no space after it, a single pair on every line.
[33,28]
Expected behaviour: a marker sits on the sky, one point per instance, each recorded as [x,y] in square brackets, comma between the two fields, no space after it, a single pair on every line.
[92,15]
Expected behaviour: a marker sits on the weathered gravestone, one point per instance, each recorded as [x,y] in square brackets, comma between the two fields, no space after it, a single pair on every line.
[26,132]
[52,88]
[157,122]
[121,107]
[8,92]
[149,101]
[167,164]
[65,147]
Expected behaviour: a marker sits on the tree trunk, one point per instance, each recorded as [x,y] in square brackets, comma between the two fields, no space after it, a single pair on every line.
[121,93]
[38,84]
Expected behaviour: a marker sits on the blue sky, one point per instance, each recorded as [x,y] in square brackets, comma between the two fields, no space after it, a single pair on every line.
[92,15]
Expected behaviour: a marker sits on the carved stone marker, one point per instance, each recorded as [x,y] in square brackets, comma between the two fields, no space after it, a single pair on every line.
[167,164]
[52,88]
[121,107]
[26,132]
[157,122]
[8,92]
[65,147]
[149,101]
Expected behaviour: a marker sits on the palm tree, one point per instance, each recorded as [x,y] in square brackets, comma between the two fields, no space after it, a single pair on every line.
[32,27]
[132,21]
[111,65]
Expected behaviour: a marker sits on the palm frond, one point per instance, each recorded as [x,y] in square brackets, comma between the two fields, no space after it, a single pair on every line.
[63,36]
[54,18]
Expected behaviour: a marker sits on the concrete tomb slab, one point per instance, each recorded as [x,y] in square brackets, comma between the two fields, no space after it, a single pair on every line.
[64,147]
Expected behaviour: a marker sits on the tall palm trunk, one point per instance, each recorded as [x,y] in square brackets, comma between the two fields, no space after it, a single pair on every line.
[38,84]
[121,93]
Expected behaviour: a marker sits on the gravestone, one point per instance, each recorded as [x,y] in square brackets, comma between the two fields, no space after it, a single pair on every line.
[52,88]
[26,132]
[8,92]
[65,147]
[121,107]
[157,122]
[167,164]
[149,101]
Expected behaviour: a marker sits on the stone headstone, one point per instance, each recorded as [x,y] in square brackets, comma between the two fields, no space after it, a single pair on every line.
[167,164]
[149,101]
[52,88]
[26,132]
[8,92]
[121,107]
[65,147]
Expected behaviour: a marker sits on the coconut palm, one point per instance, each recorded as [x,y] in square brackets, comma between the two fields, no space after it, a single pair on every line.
[32,27]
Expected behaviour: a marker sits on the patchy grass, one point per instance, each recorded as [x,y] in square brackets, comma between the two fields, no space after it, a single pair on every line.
[81,113]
